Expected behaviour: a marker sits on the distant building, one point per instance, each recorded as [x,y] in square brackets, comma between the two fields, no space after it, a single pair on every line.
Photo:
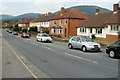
[24,23]
[104,26]
[64,23]
[41,22]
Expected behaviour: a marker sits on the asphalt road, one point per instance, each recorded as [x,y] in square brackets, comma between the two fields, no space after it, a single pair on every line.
[57,61]
[11,66]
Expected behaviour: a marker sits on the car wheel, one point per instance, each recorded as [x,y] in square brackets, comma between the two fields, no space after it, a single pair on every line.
[84,49]
[112,54]
[70,46]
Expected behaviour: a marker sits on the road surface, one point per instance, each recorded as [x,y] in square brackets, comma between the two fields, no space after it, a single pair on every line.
[57,61]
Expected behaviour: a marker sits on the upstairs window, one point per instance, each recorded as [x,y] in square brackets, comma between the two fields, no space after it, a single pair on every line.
[65,21]
[60,21]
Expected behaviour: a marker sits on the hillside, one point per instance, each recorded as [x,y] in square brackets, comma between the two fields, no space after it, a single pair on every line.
[90,10]
[27,15]
[87,9]
[6,17]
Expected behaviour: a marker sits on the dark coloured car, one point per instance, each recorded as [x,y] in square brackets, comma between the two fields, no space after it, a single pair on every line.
[113,50]
[15,33]
[25,35]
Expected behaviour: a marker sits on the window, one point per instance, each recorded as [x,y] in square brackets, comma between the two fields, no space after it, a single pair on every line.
[52,30]
[114,27]
[83,30]
[74,39]
[60,21]
[65,21]
[117,43]
[90,30]
[99,31]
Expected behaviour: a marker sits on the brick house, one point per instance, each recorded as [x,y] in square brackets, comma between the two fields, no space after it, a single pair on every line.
[41,22]
[64,23]
[25,23]
[104,26]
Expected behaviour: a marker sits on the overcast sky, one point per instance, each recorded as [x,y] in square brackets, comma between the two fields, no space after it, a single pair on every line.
[15,7]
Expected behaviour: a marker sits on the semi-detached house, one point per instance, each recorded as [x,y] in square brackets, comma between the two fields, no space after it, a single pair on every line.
[63,24]
[104,26]
[41,22]
[25,23]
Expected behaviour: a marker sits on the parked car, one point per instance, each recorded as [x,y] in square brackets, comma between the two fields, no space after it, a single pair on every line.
[15,33]
[9,31]
[43,37]
[25,35]
[113,50]
[84,43]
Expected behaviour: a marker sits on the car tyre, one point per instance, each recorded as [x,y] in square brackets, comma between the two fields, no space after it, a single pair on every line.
[70,46]
[84,49]
[112,54]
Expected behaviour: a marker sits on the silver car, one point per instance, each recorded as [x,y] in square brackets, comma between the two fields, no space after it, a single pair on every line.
[84,43]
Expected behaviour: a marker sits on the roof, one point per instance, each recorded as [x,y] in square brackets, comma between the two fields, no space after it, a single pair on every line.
[70,13]
[25,21]
[114,18]
[43,18]
[101,19]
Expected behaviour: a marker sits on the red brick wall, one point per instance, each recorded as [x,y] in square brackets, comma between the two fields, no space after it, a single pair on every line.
[70,26]
[73,25]
[108,37]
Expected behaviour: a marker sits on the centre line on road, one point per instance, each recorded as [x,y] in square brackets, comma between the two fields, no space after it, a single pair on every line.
[21,60]
[80,58]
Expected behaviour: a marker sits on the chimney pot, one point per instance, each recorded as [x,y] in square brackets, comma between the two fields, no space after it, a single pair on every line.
[97,10]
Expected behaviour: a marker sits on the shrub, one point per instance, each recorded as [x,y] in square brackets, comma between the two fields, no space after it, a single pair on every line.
[45,30]
[93,36]
[33,29]
[24,30]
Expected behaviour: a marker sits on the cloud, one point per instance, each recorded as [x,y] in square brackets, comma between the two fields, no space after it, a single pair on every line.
[2,8]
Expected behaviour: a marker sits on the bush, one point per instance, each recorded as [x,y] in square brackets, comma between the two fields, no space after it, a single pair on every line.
[16,29]
[93,36]
[24,30]
[33,29]
[45,30]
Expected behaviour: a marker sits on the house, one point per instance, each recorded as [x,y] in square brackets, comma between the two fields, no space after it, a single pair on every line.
[104,26]
[25,23]
[63,23]
[41,22]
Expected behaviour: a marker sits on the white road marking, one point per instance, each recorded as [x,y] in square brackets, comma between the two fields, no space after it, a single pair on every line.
[81,58]
[21,60]
[48,48]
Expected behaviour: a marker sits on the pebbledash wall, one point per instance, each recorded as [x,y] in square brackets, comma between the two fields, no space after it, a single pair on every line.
[108,32]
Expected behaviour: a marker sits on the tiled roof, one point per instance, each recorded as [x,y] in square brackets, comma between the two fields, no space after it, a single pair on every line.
[114,18]
[25,21]
[43,18]
[70,13]
[96,20]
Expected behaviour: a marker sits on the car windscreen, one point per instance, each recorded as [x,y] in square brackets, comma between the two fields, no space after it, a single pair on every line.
[86,39]
[45,35]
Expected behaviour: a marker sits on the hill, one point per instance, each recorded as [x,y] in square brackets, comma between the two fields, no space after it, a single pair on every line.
[90,10]
[5,17]
[27,15]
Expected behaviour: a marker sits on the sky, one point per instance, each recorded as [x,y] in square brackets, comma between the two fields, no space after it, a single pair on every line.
[16,7]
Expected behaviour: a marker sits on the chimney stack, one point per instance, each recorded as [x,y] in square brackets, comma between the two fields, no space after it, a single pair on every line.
[115,7]
[62,10]
[49,13]
[97,11]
